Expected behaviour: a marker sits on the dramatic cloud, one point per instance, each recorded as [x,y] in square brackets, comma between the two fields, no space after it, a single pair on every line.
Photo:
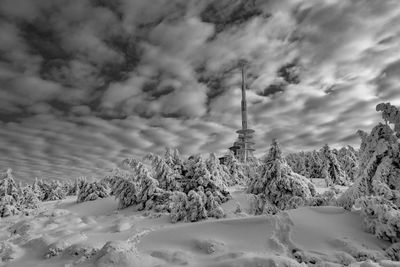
[86,83]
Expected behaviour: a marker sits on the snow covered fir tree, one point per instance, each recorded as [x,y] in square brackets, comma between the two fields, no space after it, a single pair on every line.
[278,185]
[376,190]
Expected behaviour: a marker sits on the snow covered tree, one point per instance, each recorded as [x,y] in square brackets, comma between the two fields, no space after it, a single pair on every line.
[124,187]
[197,176]
[213,206]
[219,173]
[278,182]
[53,190]
[8,206]
[167,177]
[308,164]
[196,207]
[149,193]
[169,156]
[36,188]
[136,186]
[327,198]
[376,189]
[235,170]
[10,197]
[379,161]
[15,198]
[71,187]
[89,191]
[348,161]
[315,164]
[30,200]
[173,159]
[381,216]
[8,186]
[298,163]
[331,170]
[391,114]
[260,204]
[178,206]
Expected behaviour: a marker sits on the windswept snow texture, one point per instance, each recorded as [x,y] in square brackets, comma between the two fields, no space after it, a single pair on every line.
[97,233]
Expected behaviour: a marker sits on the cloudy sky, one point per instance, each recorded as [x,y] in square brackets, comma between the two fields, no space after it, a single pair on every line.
[86,83]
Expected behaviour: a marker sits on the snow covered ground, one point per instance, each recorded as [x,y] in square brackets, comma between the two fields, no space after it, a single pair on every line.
[96,233]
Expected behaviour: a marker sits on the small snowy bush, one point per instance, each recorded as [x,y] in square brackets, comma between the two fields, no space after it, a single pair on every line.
[260,204]
[327,198]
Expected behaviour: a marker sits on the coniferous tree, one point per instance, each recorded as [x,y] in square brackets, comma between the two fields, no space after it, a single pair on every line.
[348,161]
[89,191]
[331,170]
[178,206]
[36,188]
[376,189]
[213,206]
[219,173]
[30,200]
[8,186]
[197,175]
[54,190]
[167,177]
[390,114]
[124,187]
[136,186]
[278,182]
[298,163]
[235,169]
[196,207]
[10,198]
[315,165]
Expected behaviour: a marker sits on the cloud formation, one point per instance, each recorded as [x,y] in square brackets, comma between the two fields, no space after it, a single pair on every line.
[85,83]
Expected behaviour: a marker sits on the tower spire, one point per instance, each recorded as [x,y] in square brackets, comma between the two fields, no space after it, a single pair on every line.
[244,115]
[242,148]
[244,102]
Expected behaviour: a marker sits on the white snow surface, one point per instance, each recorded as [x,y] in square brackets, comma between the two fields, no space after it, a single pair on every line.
[96,233]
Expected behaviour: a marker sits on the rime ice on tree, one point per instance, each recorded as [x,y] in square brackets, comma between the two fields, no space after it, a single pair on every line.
[278,185]
[243,147]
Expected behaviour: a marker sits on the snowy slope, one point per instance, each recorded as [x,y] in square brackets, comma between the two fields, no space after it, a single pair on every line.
[67,233]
